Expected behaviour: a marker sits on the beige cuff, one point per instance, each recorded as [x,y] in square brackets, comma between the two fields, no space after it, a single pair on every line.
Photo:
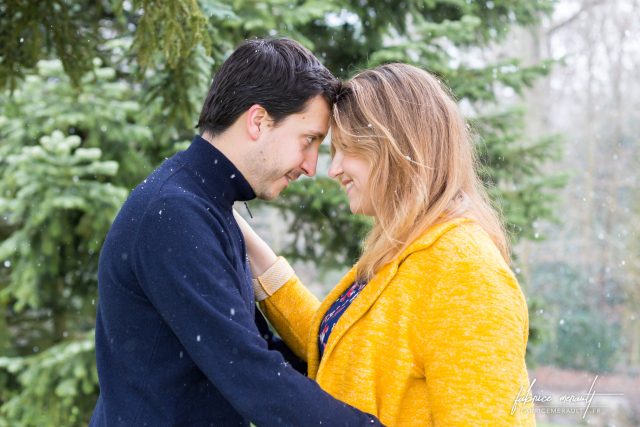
[272,279]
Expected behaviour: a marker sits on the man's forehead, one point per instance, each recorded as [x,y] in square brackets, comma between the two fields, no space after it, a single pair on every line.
[314,123]
[317,106]
[313,120]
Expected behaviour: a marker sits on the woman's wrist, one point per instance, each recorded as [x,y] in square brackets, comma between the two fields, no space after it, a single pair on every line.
[272,279]
[260,254]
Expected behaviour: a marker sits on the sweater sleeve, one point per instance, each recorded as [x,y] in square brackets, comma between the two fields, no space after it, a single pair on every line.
[291,310]
[470,339]
[185,272]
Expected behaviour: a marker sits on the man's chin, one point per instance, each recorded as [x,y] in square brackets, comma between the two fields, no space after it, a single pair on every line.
[267,197]
[273,191]
[269,194]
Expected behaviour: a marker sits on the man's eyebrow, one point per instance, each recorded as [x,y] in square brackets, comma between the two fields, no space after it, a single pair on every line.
[317,134]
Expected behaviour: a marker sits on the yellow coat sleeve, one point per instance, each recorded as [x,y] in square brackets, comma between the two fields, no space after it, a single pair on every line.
[290,310]
[470,337]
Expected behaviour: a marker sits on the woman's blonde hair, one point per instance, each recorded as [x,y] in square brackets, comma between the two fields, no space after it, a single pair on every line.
[401,120]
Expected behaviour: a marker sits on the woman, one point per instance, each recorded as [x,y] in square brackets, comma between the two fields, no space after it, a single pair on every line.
[429,328]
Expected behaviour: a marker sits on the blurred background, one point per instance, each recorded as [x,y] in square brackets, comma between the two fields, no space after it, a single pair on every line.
[95,94]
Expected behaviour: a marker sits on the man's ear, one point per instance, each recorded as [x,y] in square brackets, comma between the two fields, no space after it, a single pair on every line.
[257,120]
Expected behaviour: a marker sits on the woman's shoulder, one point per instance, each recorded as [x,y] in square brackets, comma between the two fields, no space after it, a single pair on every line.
[459,237]
[454,247]
[462,264]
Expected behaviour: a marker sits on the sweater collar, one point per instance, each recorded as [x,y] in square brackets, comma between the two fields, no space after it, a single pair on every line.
[221,178]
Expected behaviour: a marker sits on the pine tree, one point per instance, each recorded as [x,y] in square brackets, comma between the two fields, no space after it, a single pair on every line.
[57,200]
[98,93]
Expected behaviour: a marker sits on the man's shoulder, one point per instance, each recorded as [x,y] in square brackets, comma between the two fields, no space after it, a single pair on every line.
[172,206]
[169,185]
[161,180]
[165,201]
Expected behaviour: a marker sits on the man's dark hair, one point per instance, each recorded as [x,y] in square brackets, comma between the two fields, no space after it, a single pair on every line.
[278,74]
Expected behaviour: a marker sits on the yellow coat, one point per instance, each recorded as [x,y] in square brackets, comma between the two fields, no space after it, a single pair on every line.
[436,338]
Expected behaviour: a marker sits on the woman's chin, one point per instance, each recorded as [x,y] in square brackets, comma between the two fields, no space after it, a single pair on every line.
[353,207]
[356,209]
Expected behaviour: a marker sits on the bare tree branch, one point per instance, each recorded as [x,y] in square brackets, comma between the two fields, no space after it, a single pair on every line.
[587,5]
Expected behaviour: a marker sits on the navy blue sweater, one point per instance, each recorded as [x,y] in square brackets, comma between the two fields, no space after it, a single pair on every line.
[176,337]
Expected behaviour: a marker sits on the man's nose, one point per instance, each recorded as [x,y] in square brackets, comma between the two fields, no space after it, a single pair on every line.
[310,163]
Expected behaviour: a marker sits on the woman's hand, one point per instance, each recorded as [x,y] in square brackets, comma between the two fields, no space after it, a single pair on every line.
[261,256]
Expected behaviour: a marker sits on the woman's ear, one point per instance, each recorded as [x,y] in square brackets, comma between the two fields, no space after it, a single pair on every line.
[257,121]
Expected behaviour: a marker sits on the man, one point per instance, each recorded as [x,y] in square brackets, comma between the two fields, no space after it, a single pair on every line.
[176,337]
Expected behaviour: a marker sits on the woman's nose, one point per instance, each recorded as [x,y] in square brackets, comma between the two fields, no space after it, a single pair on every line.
[335,169]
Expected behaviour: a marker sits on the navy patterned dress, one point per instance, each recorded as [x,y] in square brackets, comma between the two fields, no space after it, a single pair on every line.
[335,311]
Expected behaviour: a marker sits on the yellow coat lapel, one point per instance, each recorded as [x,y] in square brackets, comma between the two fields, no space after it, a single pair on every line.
[354,312]
[366,298]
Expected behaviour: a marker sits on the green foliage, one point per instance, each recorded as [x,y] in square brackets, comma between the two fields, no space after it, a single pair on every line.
[59,385]
[66,157]
[586,340]
[173,28]
[513,171]
[178,93]
[104,114]
[30,28]
[55,200]
[577,333]
[538,329]
[49,191]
